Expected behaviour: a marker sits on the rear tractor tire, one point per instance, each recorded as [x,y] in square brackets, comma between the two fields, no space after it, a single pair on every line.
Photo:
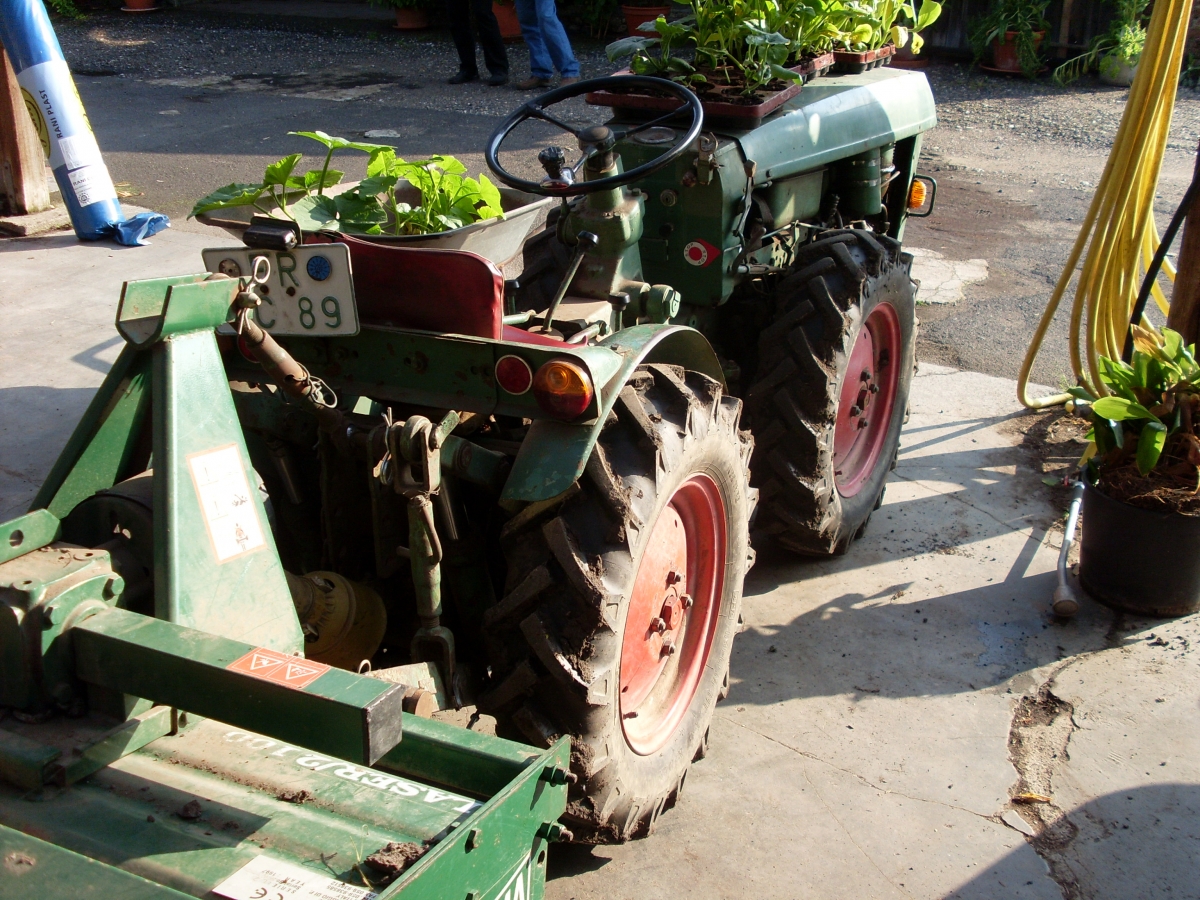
[831,389]
[622,601]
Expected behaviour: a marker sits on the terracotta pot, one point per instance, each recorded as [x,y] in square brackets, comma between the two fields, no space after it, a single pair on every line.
[510,25]
[411,19]
[139,5]
[1004,56]
[637,15]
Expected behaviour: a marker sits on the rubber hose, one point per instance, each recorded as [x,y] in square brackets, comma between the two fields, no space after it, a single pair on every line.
[1118,232]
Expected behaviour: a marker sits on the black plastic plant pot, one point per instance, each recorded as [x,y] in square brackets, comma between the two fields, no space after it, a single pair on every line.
[1139,560]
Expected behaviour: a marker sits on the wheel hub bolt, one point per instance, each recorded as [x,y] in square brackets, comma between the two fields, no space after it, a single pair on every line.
[658,625]
[874,389]
[686,601]
[855,411]
[673,577]
[668,647]
[863,423]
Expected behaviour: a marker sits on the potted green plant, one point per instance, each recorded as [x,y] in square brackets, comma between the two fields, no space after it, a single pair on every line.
[639,12]
[1140,549]
[426,203]
[410,14]
[1012,31]
[1116,52]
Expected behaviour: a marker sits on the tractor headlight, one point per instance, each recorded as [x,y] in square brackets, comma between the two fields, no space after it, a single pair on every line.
[563,389]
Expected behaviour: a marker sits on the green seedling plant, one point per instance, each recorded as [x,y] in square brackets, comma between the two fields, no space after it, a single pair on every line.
[1125,41]
[1150,419]
[449,199]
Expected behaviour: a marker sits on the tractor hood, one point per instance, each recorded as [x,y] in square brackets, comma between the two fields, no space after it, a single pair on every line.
[835,118]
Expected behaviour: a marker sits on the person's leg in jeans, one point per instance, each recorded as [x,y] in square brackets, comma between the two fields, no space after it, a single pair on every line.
[494,55]
[555,37]
[459,13]
[540,64]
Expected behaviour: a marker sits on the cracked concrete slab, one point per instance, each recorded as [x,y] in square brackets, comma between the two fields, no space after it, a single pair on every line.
[865,747]
[943,280]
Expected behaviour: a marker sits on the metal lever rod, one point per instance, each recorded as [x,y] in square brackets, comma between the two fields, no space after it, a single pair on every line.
[585,241]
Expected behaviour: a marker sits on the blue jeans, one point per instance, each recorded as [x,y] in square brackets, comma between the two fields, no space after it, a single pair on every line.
[549,47]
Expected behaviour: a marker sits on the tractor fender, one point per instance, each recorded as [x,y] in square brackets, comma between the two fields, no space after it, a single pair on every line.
[553,454]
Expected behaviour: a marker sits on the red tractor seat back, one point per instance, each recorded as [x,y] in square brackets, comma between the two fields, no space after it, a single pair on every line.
[432,290]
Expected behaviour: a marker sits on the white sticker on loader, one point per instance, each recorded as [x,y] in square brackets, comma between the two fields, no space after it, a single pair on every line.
[264,878]
[226,501]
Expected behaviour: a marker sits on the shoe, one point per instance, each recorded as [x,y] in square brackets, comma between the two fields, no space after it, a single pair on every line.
[497,80]
[568,79]
[462,77]
[532,82]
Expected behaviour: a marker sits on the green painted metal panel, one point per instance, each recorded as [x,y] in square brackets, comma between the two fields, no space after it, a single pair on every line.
[837,117]
[26,533]
[553,454]
[437,370]
[257,796]
[446,754]
[100,449]
[37,869]
[215,563]
[25,762]
[347,715]
[156,308]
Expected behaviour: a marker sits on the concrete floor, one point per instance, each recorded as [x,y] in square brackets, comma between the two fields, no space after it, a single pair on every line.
[885,707]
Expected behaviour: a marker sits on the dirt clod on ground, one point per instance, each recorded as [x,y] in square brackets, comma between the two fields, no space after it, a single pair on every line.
[190,810]
[301,796]
[394,858]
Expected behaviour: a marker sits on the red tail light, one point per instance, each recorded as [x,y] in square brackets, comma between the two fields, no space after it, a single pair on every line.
[513,374]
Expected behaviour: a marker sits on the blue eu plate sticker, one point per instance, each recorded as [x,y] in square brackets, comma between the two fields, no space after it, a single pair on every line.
[319,268]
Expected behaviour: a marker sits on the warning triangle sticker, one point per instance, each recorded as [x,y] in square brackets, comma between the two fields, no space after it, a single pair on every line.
[271,665]
[294,671]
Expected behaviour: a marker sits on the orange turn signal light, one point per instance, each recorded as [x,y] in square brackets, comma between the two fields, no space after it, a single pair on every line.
[563,389]
[917,194]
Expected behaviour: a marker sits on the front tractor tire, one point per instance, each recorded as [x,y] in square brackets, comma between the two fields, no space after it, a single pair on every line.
[831,389]
[622,602]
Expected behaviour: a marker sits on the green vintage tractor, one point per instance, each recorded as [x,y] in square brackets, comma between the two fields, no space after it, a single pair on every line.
[334,484]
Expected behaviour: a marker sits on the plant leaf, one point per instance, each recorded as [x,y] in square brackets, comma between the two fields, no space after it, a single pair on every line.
[315,213]
[278,172]
[1118,409]
[1150,446]
[228,197]
[312,180]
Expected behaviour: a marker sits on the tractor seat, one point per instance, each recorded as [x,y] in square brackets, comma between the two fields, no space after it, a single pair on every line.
[450,291]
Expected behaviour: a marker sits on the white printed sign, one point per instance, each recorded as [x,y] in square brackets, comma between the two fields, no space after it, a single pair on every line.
[92,184]
[264,878]
[380,781]
[226,502]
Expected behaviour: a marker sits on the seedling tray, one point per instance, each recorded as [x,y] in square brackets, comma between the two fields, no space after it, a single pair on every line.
[716,112]
[847,63]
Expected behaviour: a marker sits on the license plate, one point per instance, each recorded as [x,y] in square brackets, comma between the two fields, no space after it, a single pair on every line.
[309,291]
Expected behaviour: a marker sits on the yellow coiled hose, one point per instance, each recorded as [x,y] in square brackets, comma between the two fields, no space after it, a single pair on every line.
[1118,232]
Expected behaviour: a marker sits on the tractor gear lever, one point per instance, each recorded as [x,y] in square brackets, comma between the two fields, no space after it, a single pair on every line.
[584,242]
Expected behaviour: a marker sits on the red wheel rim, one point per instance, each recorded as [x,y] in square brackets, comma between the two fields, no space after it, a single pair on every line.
[867,399]
[676,603]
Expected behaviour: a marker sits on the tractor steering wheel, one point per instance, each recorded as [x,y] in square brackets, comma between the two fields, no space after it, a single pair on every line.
[560,181]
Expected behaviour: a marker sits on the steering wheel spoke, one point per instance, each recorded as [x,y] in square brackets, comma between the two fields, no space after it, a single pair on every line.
[538,112]
[536,109]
